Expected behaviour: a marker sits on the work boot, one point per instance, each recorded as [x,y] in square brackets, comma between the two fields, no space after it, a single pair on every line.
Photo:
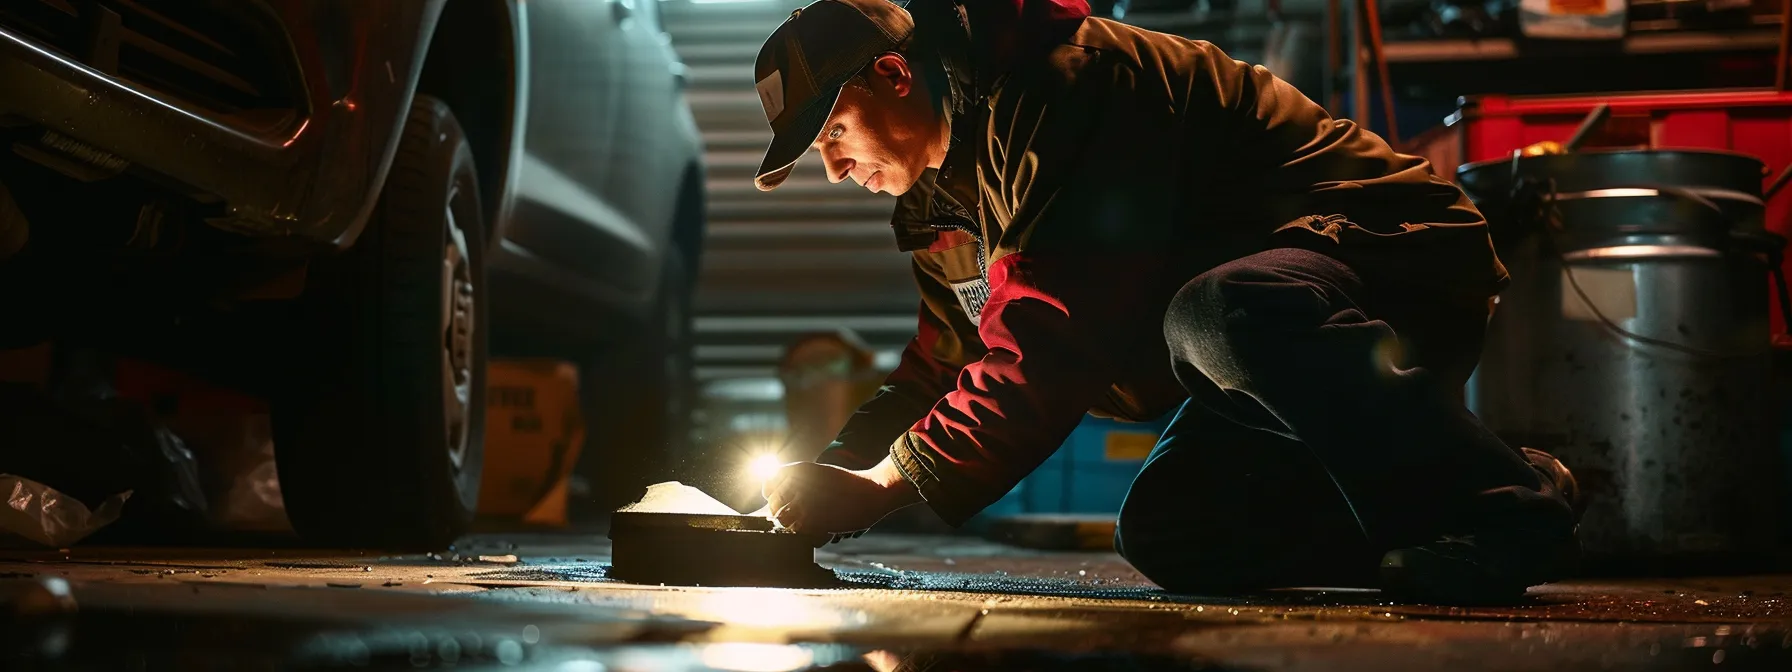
[1495,567]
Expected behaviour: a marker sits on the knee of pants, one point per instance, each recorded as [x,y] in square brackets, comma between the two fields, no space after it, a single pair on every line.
[1164,562]
[1218,321]
[1221,564]
[1180,552]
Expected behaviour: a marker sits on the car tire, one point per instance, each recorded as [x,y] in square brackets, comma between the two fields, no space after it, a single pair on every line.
[638,397]
[379,432]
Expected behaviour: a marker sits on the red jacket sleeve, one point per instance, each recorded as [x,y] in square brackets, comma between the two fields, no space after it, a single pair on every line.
[1051,337]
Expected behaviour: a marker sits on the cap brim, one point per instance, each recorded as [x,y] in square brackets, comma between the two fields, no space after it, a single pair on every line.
[787,147]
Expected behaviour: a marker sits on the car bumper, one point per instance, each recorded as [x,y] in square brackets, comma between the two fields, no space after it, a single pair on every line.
[311,171]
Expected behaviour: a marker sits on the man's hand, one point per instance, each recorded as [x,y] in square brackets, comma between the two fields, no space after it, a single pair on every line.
[811,497]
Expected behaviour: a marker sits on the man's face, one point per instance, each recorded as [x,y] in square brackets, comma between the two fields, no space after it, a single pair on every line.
[883,132]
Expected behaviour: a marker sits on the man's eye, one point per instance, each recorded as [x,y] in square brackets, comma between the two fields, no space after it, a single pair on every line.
[834,133]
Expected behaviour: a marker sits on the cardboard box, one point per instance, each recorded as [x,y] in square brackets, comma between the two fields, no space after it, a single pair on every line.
[533,435]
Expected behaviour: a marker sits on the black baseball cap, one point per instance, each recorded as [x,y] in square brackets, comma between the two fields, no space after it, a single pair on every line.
[806,62]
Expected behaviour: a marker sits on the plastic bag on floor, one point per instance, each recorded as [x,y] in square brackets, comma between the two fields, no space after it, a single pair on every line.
[230,436]
[38,513]
[89,446]
[252,501]
[170,502]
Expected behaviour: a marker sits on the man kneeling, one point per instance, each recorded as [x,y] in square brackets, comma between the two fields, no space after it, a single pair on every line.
[1107,219]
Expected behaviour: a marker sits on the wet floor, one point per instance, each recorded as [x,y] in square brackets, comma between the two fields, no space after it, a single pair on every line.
[908,603]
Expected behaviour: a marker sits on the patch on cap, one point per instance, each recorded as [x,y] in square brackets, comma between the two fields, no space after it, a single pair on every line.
[771,94]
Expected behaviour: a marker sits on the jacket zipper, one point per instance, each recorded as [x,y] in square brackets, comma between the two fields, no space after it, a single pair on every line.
[959,220]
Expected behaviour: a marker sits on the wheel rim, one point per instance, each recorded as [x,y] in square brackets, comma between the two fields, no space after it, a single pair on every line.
[457,337]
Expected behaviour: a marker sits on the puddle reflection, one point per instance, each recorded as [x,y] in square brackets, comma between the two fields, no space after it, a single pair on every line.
[768,608]
[757,657]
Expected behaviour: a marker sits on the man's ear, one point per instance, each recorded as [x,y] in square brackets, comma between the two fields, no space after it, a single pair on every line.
[893,68]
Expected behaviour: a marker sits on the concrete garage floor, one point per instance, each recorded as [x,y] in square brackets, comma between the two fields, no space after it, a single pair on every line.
[911,603]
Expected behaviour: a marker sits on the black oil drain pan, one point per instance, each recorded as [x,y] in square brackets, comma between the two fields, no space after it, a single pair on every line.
[712,550]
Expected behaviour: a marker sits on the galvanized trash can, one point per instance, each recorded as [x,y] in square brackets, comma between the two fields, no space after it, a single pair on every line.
[1633,343]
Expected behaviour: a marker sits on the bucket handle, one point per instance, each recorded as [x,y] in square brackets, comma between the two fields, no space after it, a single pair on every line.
[1772,246]
[1764,242]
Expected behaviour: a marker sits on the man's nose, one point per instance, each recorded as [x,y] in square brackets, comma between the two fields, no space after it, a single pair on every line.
[838,167]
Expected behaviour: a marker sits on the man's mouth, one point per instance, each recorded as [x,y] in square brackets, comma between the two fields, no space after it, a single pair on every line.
[875,182]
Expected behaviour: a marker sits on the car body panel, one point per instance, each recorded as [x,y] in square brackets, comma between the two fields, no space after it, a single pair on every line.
[577,233]
[563,213]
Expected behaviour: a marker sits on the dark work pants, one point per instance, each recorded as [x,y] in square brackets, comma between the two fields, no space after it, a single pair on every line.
[1325,426]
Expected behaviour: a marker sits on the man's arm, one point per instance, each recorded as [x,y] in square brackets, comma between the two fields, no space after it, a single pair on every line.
[945,340]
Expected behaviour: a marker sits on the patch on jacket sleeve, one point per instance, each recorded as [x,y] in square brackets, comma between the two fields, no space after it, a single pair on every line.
[972,295]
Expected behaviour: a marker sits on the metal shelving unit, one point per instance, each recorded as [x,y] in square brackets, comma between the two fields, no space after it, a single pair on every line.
[1491,49]
[1429,74]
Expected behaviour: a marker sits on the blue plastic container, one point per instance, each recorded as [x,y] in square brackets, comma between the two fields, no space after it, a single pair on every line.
[1090,473]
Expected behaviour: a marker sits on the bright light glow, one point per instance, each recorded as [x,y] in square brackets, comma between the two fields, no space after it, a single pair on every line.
[762,466]
[746,657]
[883,661]
[768,609]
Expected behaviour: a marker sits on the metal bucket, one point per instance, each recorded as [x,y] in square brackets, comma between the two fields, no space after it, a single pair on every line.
[1633,343]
